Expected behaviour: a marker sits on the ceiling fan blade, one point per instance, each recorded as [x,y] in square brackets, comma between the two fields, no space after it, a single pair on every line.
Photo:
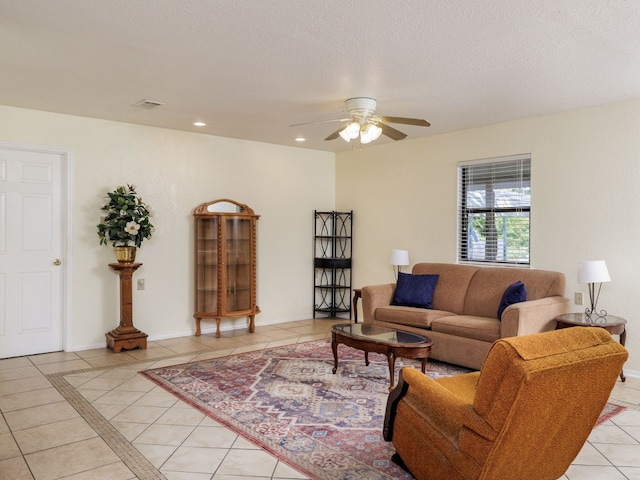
[391,132]
[321,121]
[335,134]
[407,121]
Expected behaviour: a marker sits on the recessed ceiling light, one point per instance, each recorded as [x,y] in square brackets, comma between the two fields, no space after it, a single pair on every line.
[301,139]
[199,124]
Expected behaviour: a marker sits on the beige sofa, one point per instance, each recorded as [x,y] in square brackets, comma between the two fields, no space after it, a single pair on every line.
[463,323]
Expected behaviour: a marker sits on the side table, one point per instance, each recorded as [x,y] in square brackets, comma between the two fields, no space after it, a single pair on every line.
[126,335]
[612,324]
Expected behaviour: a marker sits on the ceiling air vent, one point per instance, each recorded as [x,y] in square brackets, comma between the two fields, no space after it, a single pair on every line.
[148,104]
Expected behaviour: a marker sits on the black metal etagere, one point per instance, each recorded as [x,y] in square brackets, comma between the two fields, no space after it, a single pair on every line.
[332,252]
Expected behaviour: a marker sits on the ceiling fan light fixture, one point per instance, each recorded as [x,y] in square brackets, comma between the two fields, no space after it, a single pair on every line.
[350,132]
[364,123]
[369,133]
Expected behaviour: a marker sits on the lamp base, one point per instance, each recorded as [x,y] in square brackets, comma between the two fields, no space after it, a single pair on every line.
[593,300]
[592,313]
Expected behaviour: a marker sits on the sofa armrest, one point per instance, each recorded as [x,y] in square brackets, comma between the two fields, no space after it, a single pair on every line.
[533,316]
[374,296]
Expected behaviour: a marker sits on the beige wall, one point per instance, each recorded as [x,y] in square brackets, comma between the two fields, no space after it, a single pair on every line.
[585,169]
[585,198]
[174,172]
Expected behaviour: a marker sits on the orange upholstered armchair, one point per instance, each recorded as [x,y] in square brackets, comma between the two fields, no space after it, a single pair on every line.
[525,415]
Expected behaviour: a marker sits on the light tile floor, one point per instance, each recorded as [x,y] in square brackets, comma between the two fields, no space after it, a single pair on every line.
[78,416]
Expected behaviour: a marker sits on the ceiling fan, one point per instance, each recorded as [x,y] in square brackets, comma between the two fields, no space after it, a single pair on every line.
[364,124]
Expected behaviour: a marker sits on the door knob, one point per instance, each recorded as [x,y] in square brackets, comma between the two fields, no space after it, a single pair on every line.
[57,262]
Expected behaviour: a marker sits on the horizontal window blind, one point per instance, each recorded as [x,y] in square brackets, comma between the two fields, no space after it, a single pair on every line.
[494,207]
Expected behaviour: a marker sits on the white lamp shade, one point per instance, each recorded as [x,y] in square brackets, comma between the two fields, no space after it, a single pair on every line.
[344,135]
[350,132]
[399,257]
[593,271]
[369,133]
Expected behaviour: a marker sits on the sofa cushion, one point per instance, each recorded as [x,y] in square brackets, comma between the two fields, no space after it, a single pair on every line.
[413,317]
[414,290]
[514,293]
[489,283]
[453,282]
[479,328]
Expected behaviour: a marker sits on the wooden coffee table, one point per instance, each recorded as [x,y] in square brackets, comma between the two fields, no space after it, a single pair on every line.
[390,342]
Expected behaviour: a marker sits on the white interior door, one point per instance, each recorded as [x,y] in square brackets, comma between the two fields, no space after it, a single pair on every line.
[31,286]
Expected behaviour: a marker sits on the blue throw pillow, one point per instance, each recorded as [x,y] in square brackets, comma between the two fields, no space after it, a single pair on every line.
[415,290]
[514,293]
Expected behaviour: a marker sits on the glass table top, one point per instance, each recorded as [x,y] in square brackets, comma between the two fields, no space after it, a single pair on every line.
[378,334]
[596,320]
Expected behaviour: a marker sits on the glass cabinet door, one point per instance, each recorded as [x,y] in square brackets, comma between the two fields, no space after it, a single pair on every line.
[238,237]
[206,264]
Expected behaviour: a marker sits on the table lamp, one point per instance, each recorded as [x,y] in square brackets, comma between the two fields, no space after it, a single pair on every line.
[398,259]
[592,272]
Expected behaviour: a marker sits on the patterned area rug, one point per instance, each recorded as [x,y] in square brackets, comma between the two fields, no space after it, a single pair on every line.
[287,401]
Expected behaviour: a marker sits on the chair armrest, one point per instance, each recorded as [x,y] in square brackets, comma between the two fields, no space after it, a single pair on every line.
[534,316]
[374,296]
[414,385]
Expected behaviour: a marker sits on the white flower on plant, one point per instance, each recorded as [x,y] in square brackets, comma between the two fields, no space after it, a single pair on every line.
[132,228]
[124,206]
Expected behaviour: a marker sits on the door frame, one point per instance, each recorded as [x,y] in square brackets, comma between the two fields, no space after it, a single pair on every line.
[65,220]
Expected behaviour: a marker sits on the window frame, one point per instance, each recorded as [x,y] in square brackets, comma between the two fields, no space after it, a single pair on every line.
[520,174]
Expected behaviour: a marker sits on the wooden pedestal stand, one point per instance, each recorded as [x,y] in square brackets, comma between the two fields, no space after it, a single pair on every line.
[126,335]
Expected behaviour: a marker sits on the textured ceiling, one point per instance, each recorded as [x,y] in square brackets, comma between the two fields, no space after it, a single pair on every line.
[251,68]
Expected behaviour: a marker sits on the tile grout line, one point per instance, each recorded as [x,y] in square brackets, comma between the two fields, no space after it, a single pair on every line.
[130,456]
[137,463]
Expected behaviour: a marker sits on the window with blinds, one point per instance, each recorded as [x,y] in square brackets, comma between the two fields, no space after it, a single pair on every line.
[494,209]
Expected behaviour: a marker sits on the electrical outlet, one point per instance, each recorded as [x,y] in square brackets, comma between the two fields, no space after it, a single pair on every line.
[141,284]
[578,298]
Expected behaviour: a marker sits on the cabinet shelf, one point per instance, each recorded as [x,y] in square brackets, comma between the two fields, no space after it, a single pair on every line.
[330,262]
[333,311]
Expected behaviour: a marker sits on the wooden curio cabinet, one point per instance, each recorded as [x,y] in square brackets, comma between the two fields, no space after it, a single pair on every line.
[225,262]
